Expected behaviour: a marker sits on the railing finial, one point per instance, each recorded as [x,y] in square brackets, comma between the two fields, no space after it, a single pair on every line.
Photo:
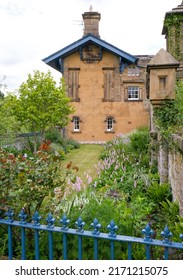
[112,228]
[22,215]
[36,218]
[166,233]
[10,215]
[96,226]
[148,233]
[64,221]
[50,221]
[80,224]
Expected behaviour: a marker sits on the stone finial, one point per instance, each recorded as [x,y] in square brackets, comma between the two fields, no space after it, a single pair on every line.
[91,8]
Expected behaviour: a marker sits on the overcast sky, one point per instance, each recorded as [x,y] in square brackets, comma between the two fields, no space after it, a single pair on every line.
[33,29]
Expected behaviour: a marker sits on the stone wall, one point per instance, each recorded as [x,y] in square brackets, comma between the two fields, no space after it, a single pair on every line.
[170,167]
[93,107]
[175,171]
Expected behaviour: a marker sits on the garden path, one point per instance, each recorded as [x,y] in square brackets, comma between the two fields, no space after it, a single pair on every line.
[85,158]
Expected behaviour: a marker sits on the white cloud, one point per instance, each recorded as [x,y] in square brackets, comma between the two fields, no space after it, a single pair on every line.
[34,29]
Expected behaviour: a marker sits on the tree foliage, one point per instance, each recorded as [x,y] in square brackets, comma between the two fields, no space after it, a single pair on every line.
[41,104]
[8,123]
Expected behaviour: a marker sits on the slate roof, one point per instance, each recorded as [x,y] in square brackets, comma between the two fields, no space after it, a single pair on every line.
[54,60]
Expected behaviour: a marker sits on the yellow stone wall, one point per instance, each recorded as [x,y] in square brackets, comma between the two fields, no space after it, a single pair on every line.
[157,92]
[93,110]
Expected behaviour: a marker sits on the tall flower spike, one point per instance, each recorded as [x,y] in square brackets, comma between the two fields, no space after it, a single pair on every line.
[80,224]
[10,215]
[64,221]
[22,215]
[36,218]
[148,233]
[167,235]
[96,226]
[112,228]
[50,221]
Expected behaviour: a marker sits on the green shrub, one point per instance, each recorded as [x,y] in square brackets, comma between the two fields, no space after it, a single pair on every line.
[54,136]
[159,192]
[73,143]
[139,141]
[12,150]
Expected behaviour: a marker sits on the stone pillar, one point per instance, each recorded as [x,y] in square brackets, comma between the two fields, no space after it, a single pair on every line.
[161,74]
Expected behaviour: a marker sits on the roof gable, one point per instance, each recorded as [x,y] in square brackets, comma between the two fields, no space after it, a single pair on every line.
[163,58]
[55,59]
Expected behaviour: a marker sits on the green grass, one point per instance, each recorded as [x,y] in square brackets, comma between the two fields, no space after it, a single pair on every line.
[85,158]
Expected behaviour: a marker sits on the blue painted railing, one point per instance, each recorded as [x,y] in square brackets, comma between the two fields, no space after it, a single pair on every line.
[95,234]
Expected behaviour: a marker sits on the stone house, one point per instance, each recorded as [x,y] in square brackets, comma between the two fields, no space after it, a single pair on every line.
[106,86]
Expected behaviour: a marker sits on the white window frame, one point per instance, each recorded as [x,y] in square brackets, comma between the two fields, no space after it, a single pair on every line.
[133,93]
[76,124]
[110,122]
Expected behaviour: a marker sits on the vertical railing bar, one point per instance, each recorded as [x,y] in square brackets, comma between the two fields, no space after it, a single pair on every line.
[95,249]
[147,252]
[112,249]
[23,243]
[80,247]
[50,241]
[129,250]
[166,252]
[36,235]
[64,246]
[10,243]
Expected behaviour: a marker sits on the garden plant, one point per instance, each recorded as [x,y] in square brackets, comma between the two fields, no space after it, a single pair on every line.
[126,190]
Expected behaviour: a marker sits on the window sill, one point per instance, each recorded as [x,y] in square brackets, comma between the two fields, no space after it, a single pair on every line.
[133,100]
[109,131]
[76,131]
[75,100]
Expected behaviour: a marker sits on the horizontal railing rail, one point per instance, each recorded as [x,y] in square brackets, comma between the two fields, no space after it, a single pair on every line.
[95,234]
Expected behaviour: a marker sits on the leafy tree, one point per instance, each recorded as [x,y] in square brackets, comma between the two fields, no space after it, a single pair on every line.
[41,104]
[1,95]
[8,124]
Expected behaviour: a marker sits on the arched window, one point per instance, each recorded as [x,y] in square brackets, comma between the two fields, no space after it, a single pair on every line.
[76,123]
[110,124]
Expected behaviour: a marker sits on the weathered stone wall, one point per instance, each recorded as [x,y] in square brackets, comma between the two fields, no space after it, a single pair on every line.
[93,108]
[175,171]
[170,167]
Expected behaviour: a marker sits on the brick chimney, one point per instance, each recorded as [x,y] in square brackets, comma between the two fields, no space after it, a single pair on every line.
[91,23]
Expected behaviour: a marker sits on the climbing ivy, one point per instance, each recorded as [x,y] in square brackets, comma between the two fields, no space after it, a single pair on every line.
[169,115]
[173,23]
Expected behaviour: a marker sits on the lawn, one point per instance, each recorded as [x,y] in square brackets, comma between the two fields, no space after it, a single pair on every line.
[85,158]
